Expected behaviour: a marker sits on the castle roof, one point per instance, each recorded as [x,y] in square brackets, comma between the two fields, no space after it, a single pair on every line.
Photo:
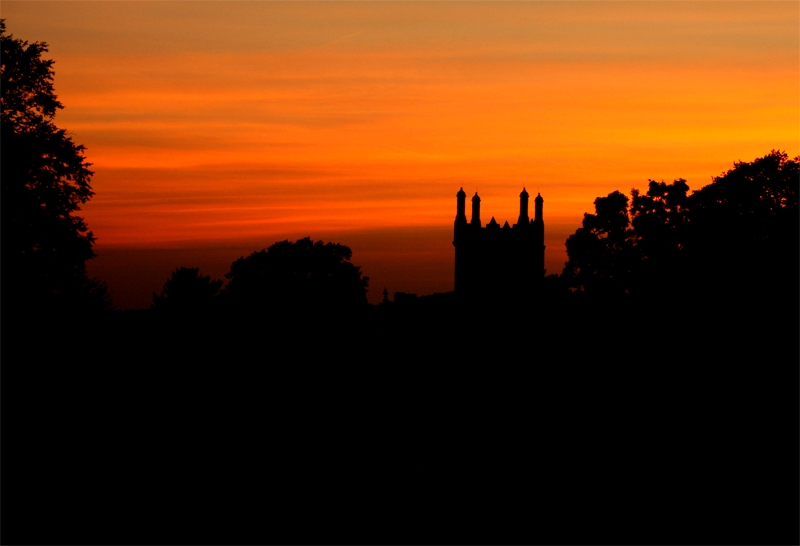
[524,193]
[475,197]
[461,193]
[539,198]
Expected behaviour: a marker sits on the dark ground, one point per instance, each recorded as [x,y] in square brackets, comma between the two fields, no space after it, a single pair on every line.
[429,423]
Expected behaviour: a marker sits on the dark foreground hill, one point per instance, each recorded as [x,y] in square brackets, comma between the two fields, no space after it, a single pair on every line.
[566,422]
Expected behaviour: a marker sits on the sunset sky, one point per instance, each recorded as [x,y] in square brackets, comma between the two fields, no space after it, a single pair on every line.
[218,128]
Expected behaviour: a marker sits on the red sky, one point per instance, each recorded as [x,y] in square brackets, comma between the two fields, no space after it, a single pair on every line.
[218,128]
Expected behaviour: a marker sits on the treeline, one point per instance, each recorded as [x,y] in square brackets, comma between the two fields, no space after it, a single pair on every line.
[637,399]
[734,239]
[284,277]
[729,246]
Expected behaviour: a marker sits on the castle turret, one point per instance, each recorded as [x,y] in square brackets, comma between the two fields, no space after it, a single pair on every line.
[523,209]
[538,234]
[461,239]
[538,208]
[476,210]
[461,207]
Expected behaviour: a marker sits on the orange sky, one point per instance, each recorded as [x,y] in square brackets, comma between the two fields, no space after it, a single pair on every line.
[218,128]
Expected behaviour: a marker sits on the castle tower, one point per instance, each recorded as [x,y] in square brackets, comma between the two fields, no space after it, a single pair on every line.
[476,210]
[461,207]
[523,209]
[459,235]
[538,241]
[538,210]
[494,263]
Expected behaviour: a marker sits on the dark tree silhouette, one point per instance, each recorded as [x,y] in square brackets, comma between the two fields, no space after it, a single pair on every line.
[738,234]
[601,252]
[659,231]
[45,180]
[187,291]
[659,219]
[745,229]
[300,275]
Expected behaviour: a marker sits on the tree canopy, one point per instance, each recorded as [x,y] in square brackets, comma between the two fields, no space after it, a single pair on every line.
[45,180]
[733,235]
[187,291]
[300,275]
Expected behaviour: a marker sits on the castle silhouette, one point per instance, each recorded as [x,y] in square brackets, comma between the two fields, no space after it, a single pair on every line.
[493,260]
